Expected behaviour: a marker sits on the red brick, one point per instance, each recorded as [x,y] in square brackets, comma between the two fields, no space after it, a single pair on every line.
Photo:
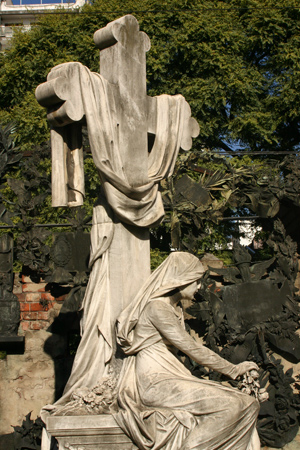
[61,298]
[32,297]
[25,326]
[35,306]
[38,325]
[25,315]
[24,306]
[30,315]
[47,296]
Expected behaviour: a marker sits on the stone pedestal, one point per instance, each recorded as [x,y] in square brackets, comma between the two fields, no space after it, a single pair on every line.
[88,433]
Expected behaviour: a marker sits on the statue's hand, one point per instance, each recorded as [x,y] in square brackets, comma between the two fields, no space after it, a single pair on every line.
[246,366]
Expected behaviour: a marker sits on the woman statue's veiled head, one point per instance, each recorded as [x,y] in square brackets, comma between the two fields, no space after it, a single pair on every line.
[179,269]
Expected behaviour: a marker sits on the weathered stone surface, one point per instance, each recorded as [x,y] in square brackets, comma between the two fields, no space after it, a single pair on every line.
[119,116]
[27,381]
[88,433]
[71,251]
[9,313]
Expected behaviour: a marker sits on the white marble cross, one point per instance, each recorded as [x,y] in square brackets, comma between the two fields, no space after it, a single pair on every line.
[123,64]
[127,116]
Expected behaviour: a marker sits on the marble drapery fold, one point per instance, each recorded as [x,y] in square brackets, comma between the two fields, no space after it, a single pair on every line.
[178,270]
[139,206]
[95,348]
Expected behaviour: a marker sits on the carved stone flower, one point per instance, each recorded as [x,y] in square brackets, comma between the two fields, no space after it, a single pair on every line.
[283,423]
[282,404]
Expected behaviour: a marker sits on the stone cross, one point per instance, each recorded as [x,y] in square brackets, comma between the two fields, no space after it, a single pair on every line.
[123,50]
[123,63]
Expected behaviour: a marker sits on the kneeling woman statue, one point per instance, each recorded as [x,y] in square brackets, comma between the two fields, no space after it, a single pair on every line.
[162,406]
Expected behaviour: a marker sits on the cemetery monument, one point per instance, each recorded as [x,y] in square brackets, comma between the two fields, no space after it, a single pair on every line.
[135,140]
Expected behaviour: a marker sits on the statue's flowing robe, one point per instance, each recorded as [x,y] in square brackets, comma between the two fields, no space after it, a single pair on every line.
[162,406]
[139,206]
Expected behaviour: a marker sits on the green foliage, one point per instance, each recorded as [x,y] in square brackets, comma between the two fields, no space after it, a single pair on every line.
[207,187]
[237,63]
[92,184]
[157,257]
[33,128]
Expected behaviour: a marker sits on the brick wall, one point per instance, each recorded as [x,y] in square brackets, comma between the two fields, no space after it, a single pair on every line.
[31,380]
[38,307]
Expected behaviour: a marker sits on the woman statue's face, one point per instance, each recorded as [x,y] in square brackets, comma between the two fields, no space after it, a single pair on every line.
[189,291]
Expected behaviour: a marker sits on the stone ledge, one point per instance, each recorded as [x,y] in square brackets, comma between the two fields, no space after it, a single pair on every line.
[88,432]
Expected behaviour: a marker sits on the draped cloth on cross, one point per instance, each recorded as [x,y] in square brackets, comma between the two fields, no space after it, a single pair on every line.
[140,206]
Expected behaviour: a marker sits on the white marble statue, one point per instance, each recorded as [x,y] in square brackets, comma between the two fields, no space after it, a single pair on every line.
[162,406]
[134,140]
[119,117]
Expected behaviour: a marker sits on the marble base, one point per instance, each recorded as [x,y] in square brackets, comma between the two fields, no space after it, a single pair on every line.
[88,433]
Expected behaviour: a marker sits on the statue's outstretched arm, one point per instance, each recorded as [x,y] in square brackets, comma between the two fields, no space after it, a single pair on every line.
[162,316]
